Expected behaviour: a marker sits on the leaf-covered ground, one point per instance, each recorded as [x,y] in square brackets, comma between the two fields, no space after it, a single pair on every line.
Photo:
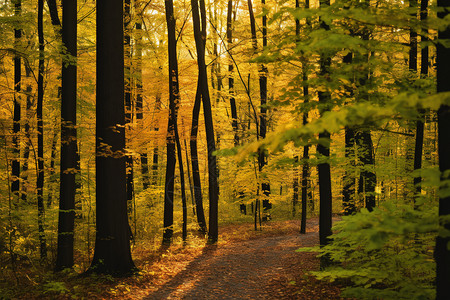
[246,264]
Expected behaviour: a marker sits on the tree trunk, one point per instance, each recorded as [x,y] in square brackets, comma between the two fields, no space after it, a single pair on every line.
[15,164]
[40,137]
[349,181]
[182,181]
[128,101]
[323,149]
[442,252]
[173,102]
[69,155]
[234,117]
[418,150]
[194,161]
[112,253]
[26,152]
[305,166]
[368,178]
[213,232]
[295,187]
[51,179]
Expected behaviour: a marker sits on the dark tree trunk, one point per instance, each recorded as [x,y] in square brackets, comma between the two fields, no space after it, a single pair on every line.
[69,155]
[128,100]
[26,152]
[194,160]
[155,157]
[173,102]
[51,176]
[40,137]
[112,253]
[305,166]
[15,164]
[140,99]
[442,252]
[323,149]
[295,187]
[349,181]
[191,186]
[418,150]
[368,178]
[182,181]
[234,117]
[213,232]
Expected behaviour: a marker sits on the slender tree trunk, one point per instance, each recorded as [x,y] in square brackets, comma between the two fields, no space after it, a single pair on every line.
[368,178]
[26,152]
[182,181]
[305,166]
[295,187]
[173,102]
[112,253]
[128,101]
[418,150]
[323,149]
[139,98]
[51,181]
[194,135]
[191,186]
[69,155]
[442,252]
[155,157]
[15,164]
[213,232]
[234,117]
[40,129]
[349,181]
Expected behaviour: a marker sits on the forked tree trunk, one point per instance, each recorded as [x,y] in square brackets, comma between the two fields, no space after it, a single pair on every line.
[213,232]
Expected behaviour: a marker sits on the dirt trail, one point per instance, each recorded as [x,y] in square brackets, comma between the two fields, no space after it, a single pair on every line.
[261,268]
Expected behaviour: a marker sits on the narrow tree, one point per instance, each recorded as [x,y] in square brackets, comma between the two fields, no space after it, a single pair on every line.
[213,232]
[442,252]
[64,258]
[418,150]
[323,148]
[40,135]
[15,164]
[112,253]
[170,139]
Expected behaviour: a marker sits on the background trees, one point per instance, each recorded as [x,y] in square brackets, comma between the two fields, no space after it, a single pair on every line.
[332,91]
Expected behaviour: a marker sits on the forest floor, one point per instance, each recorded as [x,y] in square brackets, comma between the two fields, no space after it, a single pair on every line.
[245,264]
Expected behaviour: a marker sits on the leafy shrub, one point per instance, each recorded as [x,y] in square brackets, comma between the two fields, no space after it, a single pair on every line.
[384,254]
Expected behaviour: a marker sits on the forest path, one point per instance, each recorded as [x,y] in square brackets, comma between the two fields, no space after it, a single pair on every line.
[264,267]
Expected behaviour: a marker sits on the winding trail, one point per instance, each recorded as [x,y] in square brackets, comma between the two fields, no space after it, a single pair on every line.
[266,267]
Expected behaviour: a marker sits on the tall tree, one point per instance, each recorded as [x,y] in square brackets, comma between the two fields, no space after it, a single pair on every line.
[170,139]
[418,150]
[112,254]
[234,117]
[194,134]
[305,166]
[213,233]
[128,98]
[323,148]
[40,135]
[15,164]
[442,251]
[69,155]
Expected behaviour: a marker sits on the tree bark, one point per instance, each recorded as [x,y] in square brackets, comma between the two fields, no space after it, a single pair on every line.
[40,137]
[213,232]
[112,253]
[323,149]
[173,102]
[69,155]
[442,252]
[15,164]
[368,178]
